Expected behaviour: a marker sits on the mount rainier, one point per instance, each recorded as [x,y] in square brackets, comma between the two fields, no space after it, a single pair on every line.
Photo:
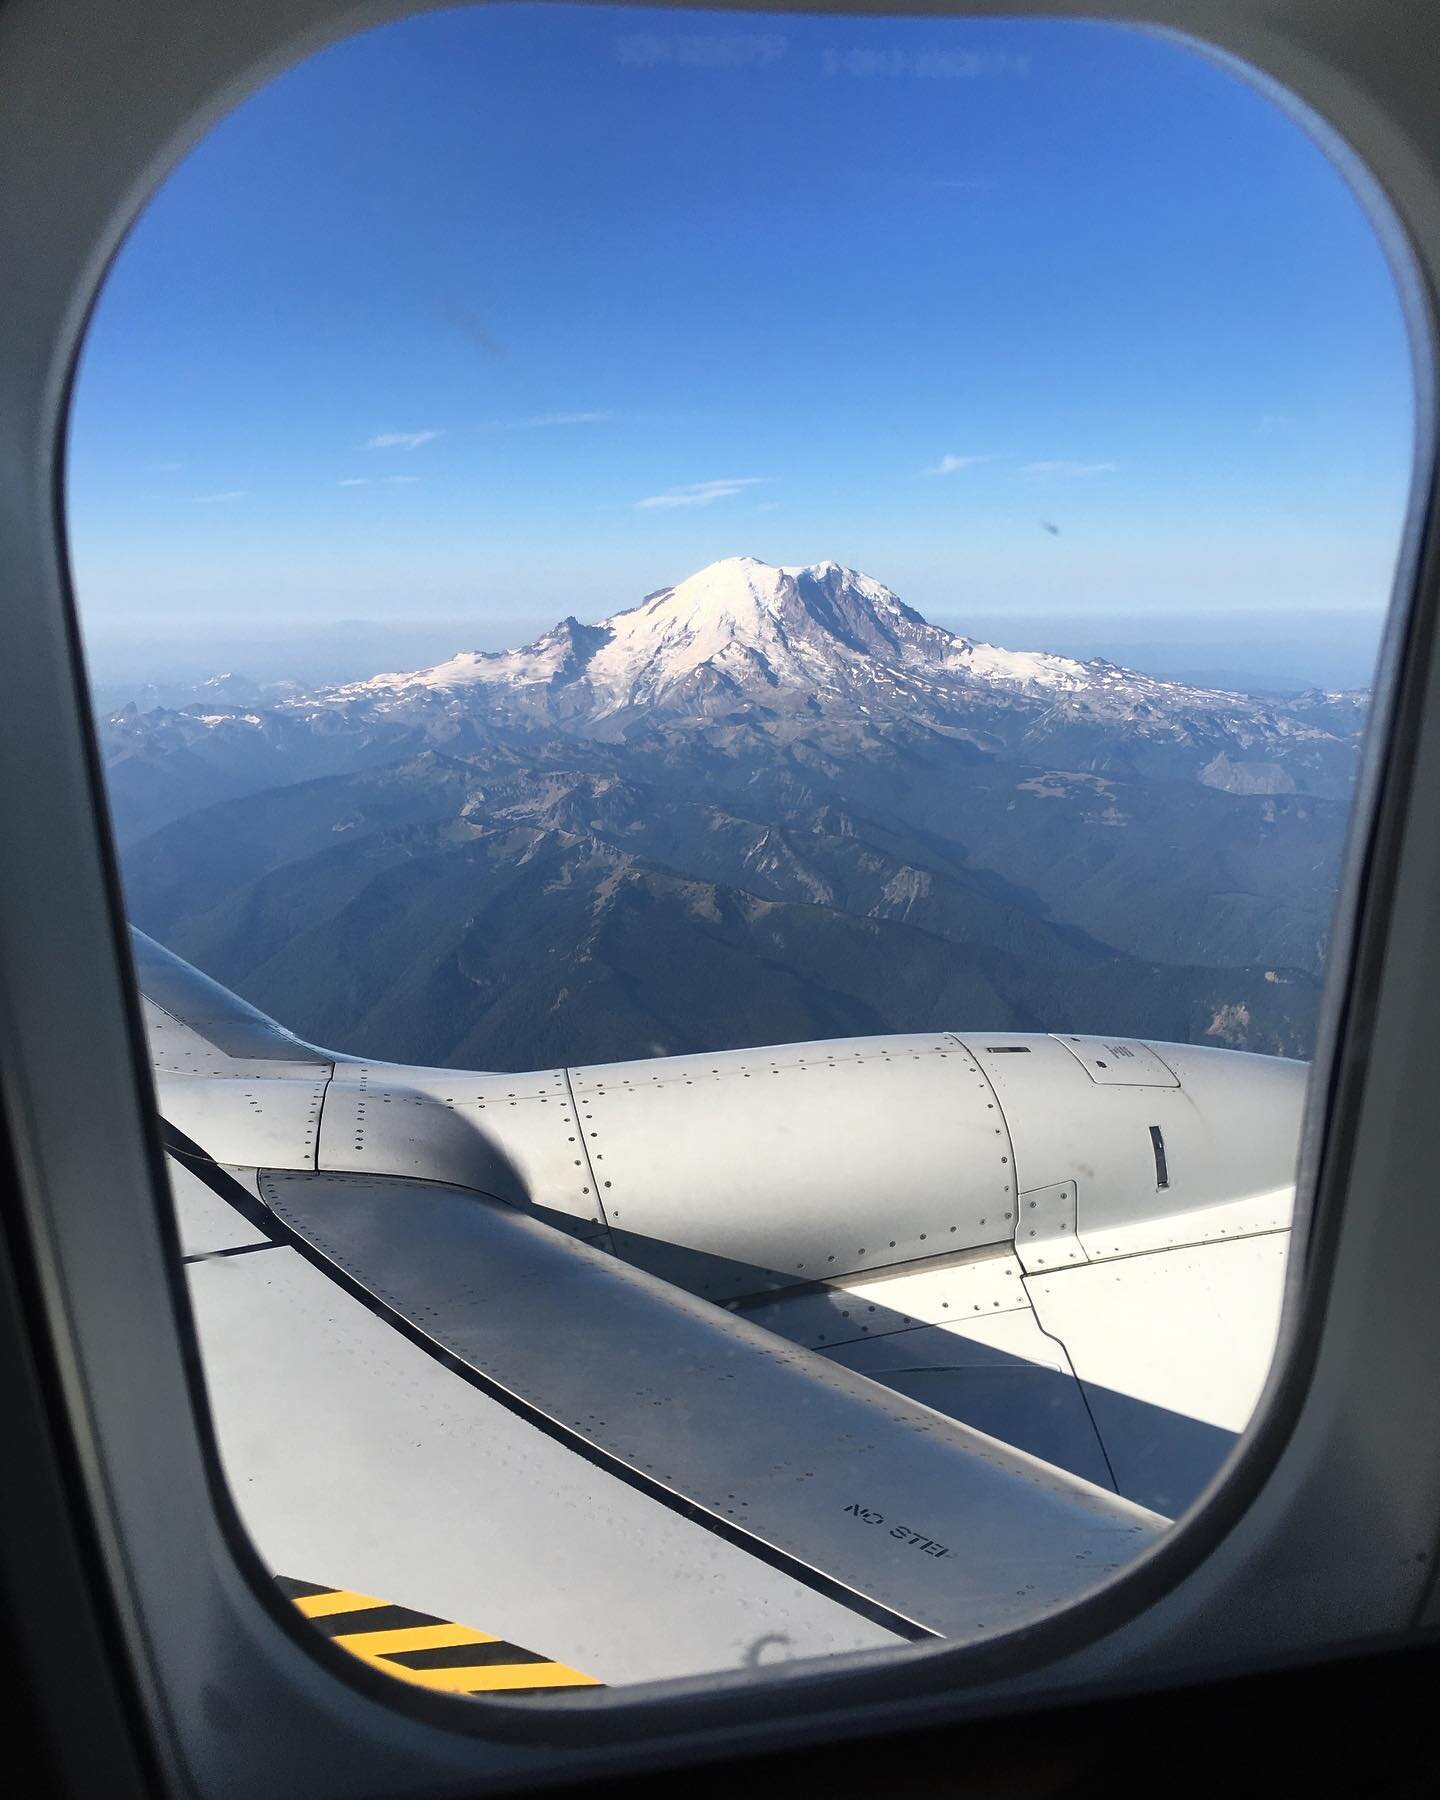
[790,649]
[765,802]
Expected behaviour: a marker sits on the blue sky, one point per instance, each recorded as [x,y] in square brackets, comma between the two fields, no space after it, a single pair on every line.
[497,314]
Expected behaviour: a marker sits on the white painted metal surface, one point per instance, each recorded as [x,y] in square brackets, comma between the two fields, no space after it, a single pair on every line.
[1046,1231]
[1172,1350]
[755,1169]
[1119,1062]
[953,1530]
[225,1075]
[246,1121]
[357,1460]
[1255,1215]
[1228,1130]
[206,1223]
[964,1288]
[178,1049]
[1001,1374]
[519,1137]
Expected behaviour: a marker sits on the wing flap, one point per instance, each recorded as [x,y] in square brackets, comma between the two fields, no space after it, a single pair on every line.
[917,1520]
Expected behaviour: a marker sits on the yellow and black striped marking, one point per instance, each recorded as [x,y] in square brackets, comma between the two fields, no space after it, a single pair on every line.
[431,1652]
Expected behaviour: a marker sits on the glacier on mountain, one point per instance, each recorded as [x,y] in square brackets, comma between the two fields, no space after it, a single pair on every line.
[816,660]
[811,628]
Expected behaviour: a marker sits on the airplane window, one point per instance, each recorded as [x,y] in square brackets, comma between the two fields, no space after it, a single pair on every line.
[731,653]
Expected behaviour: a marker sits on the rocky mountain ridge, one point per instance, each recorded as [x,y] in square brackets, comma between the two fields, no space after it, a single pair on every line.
[744,637]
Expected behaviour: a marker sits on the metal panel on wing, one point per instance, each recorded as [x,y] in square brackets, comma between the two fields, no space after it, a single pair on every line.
[1172,1350]
[889,1503]
[515,1136]
[1001,1374]
[754,1169]
[1223,1130]
[353,1453]
[971,1286]
[242,1121]
[1119,1062]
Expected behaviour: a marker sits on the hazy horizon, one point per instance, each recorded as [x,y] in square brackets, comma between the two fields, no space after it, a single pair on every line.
[1320,647]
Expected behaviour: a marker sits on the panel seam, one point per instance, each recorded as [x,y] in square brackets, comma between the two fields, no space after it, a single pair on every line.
[1080,1389]
[589,1163]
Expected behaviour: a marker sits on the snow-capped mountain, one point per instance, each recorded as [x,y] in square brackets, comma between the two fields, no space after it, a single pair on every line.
[814,631]
[741,659]
[811,631]
[735,622]
[802,648]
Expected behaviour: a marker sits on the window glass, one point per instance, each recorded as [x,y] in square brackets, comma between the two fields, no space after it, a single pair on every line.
[739,644]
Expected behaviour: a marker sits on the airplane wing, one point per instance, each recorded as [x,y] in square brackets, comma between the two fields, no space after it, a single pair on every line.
[529,1358]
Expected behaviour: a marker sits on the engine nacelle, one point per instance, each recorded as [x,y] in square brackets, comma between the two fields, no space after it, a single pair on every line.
[745,1171]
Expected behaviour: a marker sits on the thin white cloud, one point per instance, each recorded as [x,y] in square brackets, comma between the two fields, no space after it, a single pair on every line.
[356,481]
[379,481]
[699,493]
[170,468]
[219,499]
[401,440]
[544,421]
[1062,466]
[549,421]
[949,465]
